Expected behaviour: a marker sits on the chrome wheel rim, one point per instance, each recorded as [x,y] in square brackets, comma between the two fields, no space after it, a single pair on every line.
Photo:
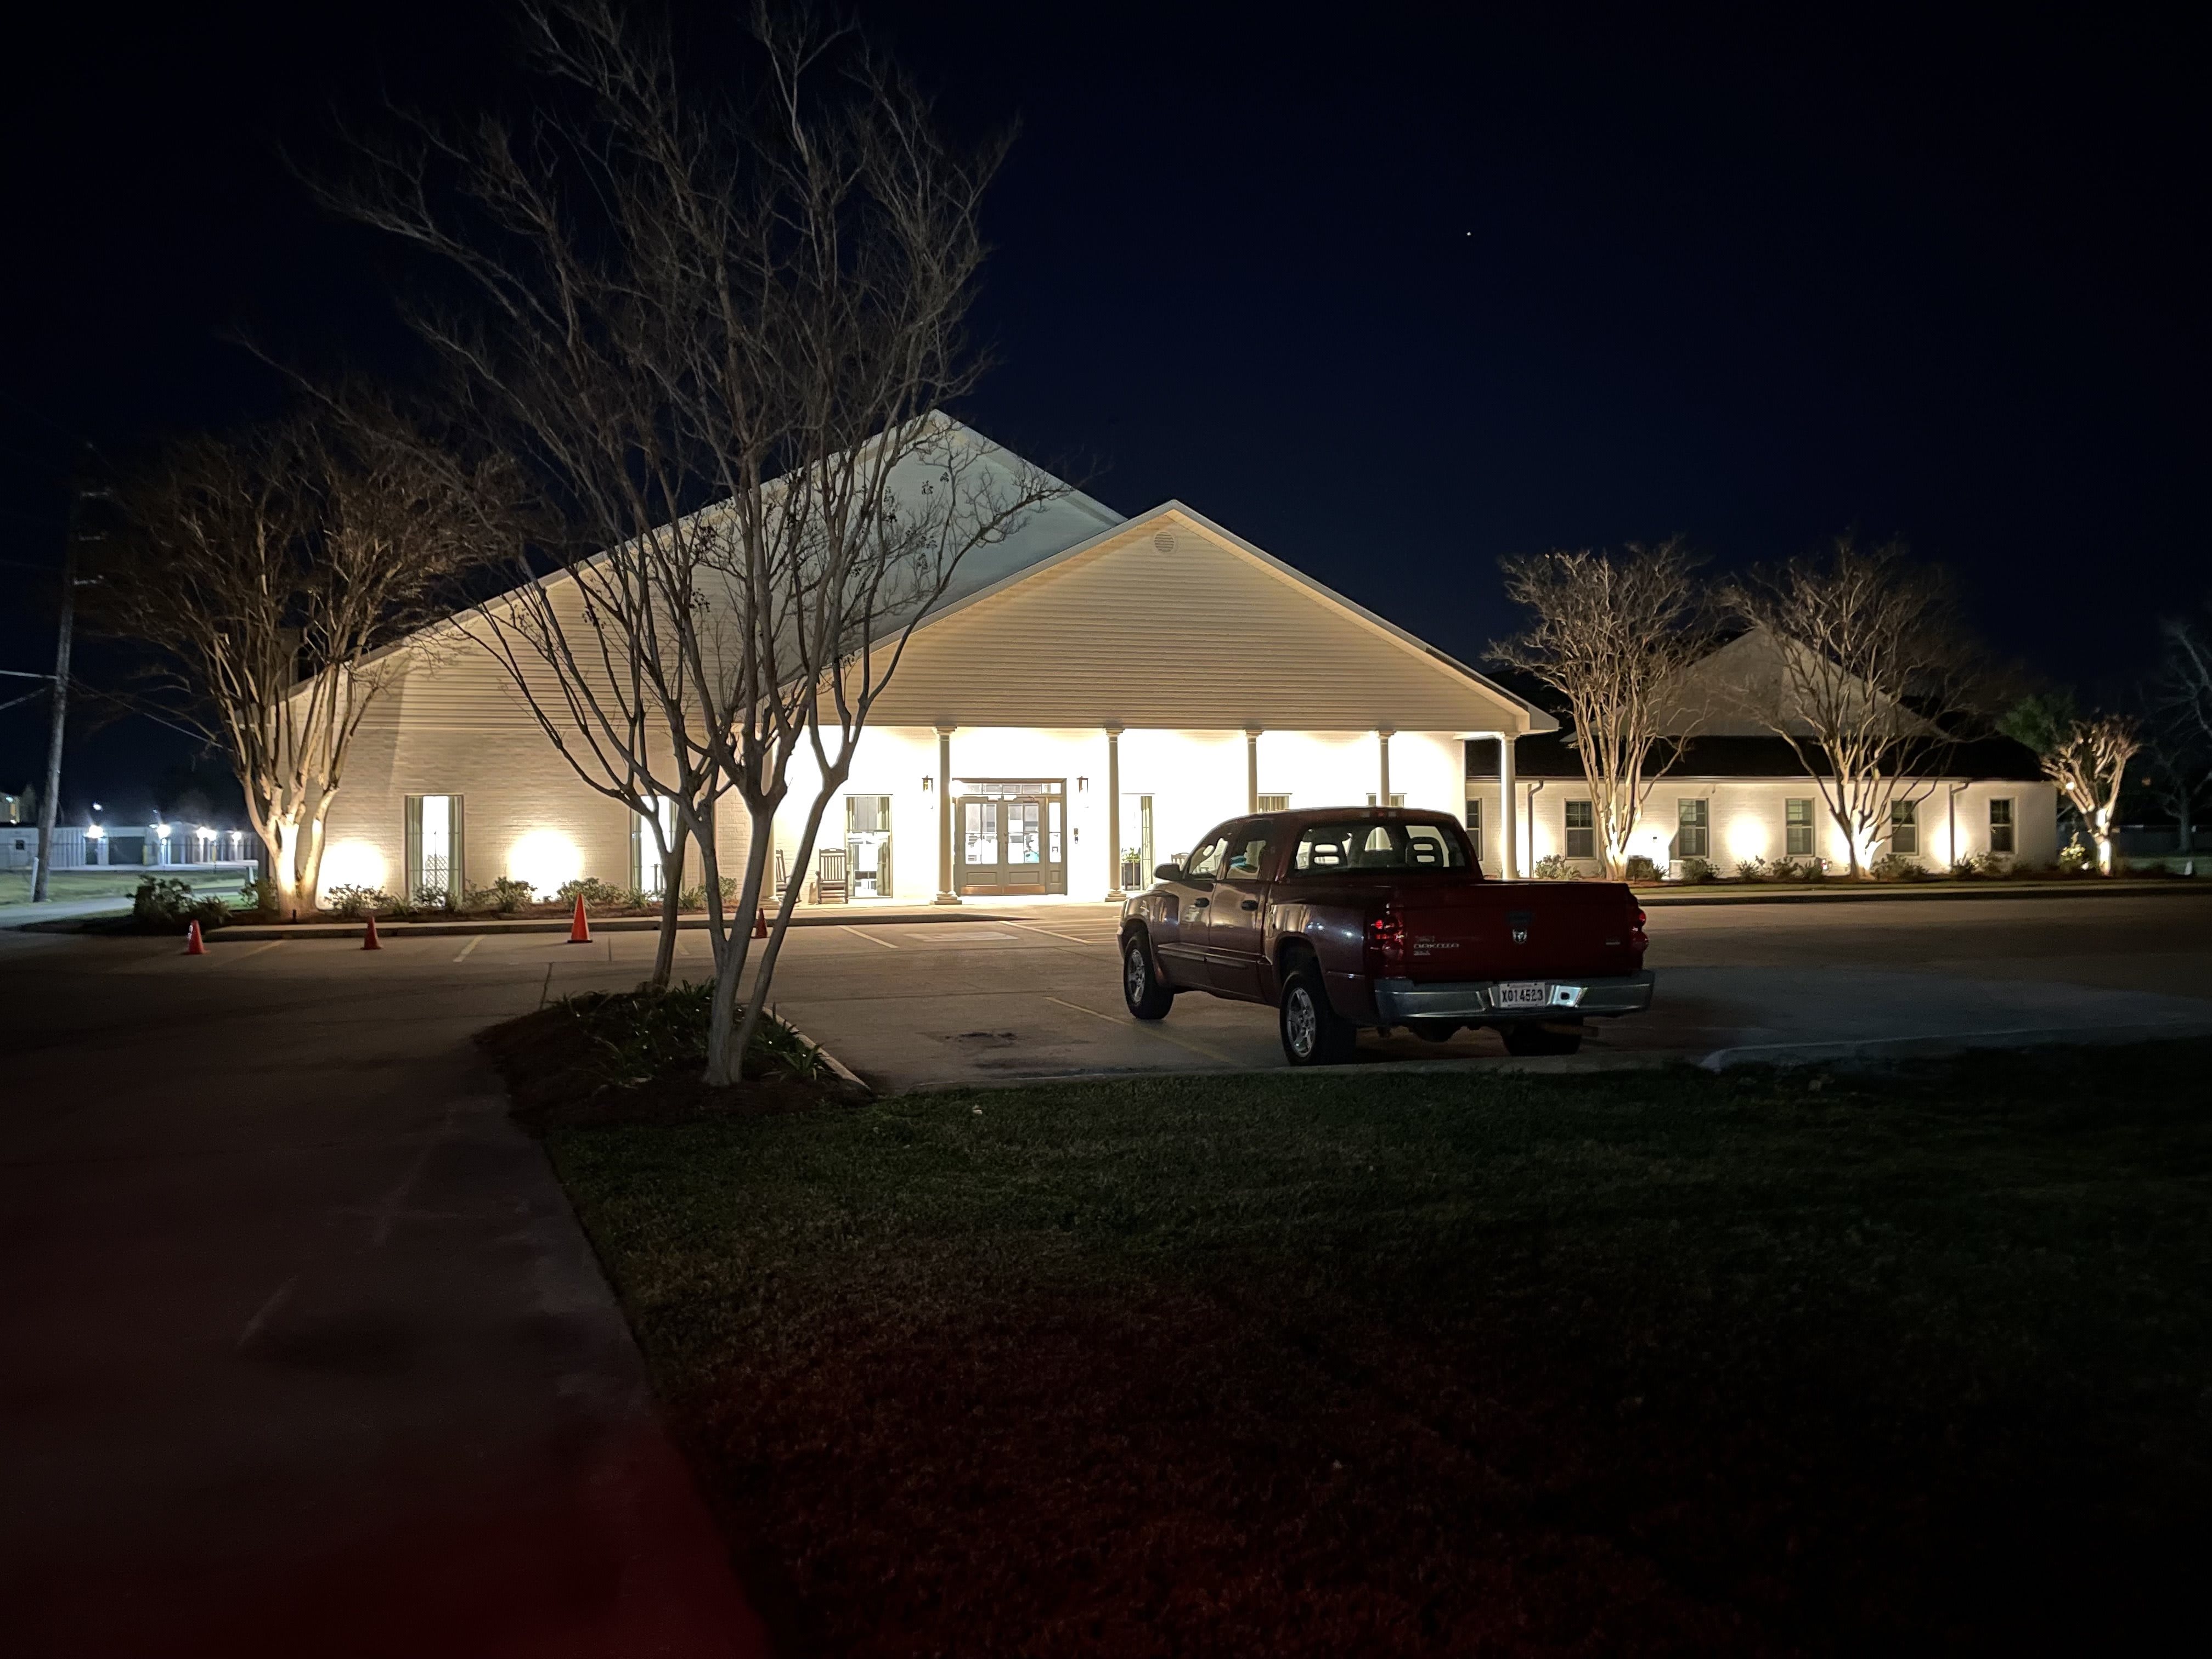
[1132,978]
[1299,1022]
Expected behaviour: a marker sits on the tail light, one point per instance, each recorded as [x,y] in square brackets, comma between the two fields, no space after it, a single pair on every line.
[1637,939]
[1386,941]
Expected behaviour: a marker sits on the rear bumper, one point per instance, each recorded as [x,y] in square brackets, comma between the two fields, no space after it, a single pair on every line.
[1400,1001]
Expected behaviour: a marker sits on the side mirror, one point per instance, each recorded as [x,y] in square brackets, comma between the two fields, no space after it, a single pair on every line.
[1167,872]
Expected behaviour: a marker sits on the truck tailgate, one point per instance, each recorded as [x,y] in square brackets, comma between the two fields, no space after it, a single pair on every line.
[1516,930]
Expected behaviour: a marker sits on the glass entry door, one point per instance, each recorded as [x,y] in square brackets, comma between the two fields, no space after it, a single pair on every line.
[868,844]
[1009,834]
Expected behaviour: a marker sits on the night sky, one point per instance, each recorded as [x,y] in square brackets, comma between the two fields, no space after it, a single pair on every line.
[1389,295]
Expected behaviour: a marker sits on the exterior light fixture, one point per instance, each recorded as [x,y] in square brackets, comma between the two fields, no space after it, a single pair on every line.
[925,786]
[162,830]
[1082,784]
[93,831]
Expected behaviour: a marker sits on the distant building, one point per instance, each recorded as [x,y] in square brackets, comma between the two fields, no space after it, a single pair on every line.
[1738,791]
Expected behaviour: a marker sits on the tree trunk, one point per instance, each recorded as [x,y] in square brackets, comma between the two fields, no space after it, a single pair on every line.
[724,1060]
[671,906]
[765,974]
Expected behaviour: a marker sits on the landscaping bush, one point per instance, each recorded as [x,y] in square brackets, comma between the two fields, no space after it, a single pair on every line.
[506,894]
[1641,868]
[2074,859]
[1697,872]
[353,902]
[1899,866]
[596,894]
[164,904]
[1753,869]
[432,898]
[1553,866]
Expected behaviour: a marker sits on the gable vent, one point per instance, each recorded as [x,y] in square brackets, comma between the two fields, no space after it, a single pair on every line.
[1165,541]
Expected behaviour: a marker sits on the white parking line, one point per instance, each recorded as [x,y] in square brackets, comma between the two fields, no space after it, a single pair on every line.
[252,951]
[871,939]
[461,954]
[1088,944]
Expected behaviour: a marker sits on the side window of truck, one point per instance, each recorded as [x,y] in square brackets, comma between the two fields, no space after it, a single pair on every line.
[1248,851]
[1206,862]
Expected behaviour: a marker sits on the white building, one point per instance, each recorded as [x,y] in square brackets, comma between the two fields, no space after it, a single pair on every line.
[1093,694]
[1738,791]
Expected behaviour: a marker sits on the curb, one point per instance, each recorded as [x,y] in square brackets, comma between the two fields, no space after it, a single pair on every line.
[252,930]
[1876,1050]
[1914,894]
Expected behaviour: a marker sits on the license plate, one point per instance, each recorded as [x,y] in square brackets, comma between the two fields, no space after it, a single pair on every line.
[1523,994]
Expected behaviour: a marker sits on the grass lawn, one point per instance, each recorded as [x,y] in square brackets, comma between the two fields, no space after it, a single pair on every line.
[15,885]
[1376,1362]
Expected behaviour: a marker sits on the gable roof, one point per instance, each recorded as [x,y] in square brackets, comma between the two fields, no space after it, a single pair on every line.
[1061,613]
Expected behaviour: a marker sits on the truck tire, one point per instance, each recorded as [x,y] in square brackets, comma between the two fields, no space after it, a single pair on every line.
[1140,981]
[1314,1034]
[1533,1039]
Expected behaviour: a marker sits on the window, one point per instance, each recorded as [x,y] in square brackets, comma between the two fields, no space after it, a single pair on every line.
[1248,847]
[1274,803]
[2001,826]
[1206,862]
[1797,828]
[434,872]
[1904,827]
[1474,826]
[1582,830]
[1324,849]
[1692,829]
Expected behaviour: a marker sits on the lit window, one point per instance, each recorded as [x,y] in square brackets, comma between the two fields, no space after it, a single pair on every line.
[2001,825]
[1904,827]
[1692,831]
[1582,830]
[1797,828]
[1474,825]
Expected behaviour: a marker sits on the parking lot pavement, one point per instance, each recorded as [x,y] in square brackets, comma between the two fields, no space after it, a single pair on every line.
[1038,996]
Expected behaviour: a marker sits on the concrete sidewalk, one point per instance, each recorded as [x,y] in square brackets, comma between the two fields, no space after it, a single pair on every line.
[22,915]
[305,1351]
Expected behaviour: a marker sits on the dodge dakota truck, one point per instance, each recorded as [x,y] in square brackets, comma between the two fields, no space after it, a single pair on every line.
[1345,918]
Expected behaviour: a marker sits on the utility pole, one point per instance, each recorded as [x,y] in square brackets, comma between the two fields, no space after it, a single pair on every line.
[49,803]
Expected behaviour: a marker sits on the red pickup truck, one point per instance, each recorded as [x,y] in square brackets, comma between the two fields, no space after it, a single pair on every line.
[1347,917]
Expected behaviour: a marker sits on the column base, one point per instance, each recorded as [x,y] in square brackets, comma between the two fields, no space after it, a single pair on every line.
[946,898]
[1115,897]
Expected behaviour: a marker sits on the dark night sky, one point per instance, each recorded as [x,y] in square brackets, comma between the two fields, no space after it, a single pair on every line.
[1390,296]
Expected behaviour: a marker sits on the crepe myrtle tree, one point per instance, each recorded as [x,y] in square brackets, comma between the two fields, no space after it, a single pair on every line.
[264,570]
[1870,674]
[2180,738]
[718,327]
[2086,755]
[1612,633]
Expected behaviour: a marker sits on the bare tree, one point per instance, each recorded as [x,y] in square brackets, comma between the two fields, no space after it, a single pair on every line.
[1613,633]
[1870,667]
[722,334]
[2180,737]
[265,570]
[2086,755]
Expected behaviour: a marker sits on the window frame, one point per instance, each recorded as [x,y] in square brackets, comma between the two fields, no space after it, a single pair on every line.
[1798,830]
[1904,827]
[1587,830]
[1693,816]
[2009,828]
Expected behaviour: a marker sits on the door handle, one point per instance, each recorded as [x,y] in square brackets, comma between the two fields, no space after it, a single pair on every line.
[1251,905]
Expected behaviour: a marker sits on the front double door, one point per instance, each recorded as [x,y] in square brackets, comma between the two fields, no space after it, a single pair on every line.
[1011,836]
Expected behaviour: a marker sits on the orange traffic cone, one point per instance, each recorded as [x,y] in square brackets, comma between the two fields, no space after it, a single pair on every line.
[194,945]
[760,923]
[579,931]
[369,939]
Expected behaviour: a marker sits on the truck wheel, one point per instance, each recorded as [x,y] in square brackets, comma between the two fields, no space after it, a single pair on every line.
[1314,1034]
[1140,981]
[1533,1039]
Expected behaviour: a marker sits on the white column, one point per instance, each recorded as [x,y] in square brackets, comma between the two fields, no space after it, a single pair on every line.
[1114,893]
[944,893]
[1251,768]
[1383,758]
[1508,838]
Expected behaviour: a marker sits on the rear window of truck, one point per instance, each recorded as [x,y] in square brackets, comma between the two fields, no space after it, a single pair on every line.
[1327,848]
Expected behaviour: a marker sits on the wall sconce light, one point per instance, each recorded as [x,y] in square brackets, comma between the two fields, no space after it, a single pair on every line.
[94,831]
[925,786]
[1082,784]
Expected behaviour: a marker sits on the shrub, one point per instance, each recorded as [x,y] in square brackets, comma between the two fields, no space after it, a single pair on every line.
[2074,859]
[432,898]
[1899,866]
[164,904]
[1641,868]
[1755,869]
[1697,870]
[1553,866]
[636,898]
[353,902]
[506,894]
[596,894]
